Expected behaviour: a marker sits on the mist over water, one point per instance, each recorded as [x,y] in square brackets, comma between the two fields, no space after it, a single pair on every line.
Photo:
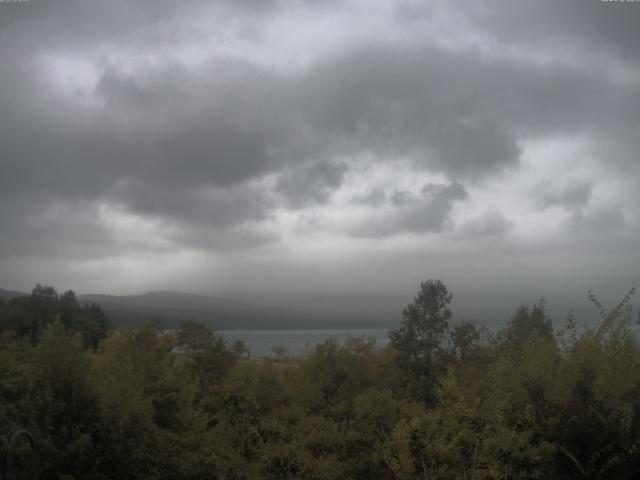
[297,342]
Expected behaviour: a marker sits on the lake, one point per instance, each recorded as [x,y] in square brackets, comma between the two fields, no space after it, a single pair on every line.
[261,342]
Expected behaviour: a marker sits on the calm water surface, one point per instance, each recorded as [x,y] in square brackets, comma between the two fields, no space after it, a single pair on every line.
[261,342]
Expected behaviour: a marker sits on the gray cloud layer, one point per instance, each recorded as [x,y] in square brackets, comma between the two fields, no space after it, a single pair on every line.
[209,150]
[570,193]
[427,212]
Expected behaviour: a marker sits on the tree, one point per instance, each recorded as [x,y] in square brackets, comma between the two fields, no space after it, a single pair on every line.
[280,351]
[29,316]
[42,310]
[424,323]
[193,336]
[240,348]
[528,322]
[422,333]
[68,308]
[93,324]
[464,339]
[207,353]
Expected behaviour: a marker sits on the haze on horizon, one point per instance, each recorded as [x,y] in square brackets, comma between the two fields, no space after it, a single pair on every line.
[294,148]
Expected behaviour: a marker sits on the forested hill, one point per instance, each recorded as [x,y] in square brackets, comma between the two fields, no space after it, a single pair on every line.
[443,400]
[168,309]
[9,294]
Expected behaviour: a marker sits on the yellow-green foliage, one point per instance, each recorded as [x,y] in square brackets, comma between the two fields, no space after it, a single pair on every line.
[524,404]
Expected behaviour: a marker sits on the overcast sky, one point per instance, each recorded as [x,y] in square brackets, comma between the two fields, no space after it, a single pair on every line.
[271,146]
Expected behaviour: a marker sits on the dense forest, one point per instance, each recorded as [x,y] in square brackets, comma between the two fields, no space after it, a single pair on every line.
[444,400]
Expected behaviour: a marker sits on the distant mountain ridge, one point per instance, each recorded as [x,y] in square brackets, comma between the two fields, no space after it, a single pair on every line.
[169,308]
[9,294]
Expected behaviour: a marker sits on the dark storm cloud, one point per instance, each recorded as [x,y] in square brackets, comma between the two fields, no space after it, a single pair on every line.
[600,220]
[191,146]
[489,224]
[216,207]
[159,146]
[375,198]
[590,25]
[409,103]
[564,26]
[428,212]
[459,113]
[52,230]
[76,23]
[311,183]
[569,193]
